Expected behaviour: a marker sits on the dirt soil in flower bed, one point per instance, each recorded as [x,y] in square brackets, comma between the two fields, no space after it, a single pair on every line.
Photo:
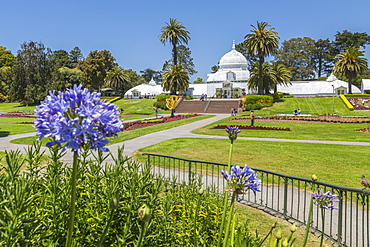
[298,119]
[17,114]
[252,127]
[154,121]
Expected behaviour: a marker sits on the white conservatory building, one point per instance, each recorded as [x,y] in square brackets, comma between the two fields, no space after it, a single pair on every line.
[332,86]
[232,75]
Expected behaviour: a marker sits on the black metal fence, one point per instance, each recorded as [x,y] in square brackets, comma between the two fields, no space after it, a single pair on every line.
[287,196]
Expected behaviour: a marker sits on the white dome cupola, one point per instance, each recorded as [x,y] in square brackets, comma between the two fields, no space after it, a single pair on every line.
[233,59]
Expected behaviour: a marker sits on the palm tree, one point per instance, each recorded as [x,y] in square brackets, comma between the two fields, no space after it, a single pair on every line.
[264,77]
[175,79]
[117,79]
[262,42]
[176,33]
[281,74]
[350,63]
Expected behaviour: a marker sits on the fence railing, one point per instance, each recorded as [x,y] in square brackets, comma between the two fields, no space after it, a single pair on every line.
[287,196]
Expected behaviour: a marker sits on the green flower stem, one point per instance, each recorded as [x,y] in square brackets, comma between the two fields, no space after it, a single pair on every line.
[142,233]
[219,240]
[73,201]
[195,221]
[309,218]
[106,228]
[231,216]
[323,225]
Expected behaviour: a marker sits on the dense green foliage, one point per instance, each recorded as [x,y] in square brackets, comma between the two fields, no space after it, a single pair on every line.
[34,208]
[175,79]
[350,63]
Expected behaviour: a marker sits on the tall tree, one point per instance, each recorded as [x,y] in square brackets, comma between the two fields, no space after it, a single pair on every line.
[6,57]
[176,34]
[117,79]
[346,39]
[262,41]
[281,75]
[134,78]
[248,54]
[148,74]
[184,59]
[254,82]
[95,68]
[175,80]
[75,55]
[350,63]
[64,78]
[60,59]
[323,57]
[199,81]
[297,55]
[32,73]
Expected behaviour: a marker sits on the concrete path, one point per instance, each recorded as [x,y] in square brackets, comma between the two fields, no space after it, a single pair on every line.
[183,131]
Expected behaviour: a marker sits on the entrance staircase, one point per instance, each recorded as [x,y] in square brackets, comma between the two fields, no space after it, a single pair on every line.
[208,106]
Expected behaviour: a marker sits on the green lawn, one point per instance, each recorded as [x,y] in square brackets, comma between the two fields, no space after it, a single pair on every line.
[10,126]
[337,164]
[304,131]
[130,134]
[314,105]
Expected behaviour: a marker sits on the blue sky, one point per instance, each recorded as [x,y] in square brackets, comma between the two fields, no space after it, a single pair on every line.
[130,29]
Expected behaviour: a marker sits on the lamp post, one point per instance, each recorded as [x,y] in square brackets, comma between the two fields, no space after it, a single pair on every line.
[333,98]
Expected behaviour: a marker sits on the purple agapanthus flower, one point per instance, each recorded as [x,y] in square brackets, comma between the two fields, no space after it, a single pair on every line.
[242,179]
[75,118]
[325,200]
[233,132]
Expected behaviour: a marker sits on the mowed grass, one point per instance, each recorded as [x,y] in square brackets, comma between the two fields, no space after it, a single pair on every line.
[304,131]
[129,134]
[336,164]
[314,105]
[11,126]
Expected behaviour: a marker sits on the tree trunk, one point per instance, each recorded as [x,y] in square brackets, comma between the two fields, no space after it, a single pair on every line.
[174,50]
[349,86]
[260,79]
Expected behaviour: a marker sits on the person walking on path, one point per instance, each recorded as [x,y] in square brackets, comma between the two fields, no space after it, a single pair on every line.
[252,117]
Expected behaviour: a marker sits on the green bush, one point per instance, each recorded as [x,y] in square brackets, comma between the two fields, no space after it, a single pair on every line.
[161,105]
[34,205]
[161,101]
[162,97]
[253,107]
[264,100]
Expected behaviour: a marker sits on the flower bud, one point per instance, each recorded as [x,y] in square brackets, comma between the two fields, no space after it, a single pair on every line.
[144,213]
[293,228]
[279,233]
[114,203]
[285,242]
[201,191]
[314,177]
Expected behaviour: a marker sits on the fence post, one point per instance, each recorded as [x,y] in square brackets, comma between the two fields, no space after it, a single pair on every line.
[189,173]
[340,217]
[285,197]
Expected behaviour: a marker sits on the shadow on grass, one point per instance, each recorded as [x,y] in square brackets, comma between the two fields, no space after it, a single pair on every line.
[4,133]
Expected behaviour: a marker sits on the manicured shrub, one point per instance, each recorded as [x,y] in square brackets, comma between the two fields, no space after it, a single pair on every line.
[264,100]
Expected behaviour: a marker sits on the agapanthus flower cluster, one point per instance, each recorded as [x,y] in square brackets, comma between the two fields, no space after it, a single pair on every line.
[241,180]
[325,200]
[233,132]
[76,118]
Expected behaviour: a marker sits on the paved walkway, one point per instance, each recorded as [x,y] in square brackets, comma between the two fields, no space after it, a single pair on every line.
[183,131]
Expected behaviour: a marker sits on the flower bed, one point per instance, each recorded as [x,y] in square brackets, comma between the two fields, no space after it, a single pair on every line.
[252,127]
[17,114]
[322,119]
[150,122]
[366,130]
